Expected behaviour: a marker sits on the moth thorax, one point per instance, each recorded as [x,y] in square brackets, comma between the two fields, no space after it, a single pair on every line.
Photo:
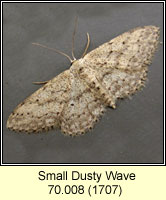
[77,66]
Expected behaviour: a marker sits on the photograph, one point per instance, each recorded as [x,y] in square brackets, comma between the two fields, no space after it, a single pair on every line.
[83,83]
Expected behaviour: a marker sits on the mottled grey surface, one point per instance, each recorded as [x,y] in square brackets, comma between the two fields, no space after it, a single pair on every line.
[133,133]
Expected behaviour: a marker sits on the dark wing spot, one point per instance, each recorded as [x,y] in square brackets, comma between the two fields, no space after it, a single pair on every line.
[80,70]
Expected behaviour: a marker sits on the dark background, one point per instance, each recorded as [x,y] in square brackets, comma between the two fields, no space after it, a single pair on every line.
[133,133]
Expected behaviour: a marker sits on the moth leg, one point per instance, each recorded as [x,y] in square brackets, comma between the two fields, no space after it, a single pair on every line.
[40,83]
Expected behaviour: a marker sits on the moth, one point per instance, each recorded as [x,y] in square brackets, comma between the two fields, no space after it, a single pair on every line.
[76,99]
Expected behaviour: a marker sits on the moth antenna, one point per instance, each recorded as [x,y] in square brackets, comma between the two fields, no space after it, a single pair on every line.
[52,49]
[73,37]
[87,45]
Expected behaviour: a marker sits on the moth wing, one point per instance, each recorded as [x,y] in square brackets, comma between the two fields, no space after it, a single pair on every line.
[122,63]
[41,111]
[64,102]
[83,109]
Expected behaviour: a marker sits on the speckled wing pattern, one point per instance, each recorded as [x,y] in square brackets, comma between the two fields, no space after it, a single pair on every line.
[122,63]
[82,110]
[75,99]
[41,111]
